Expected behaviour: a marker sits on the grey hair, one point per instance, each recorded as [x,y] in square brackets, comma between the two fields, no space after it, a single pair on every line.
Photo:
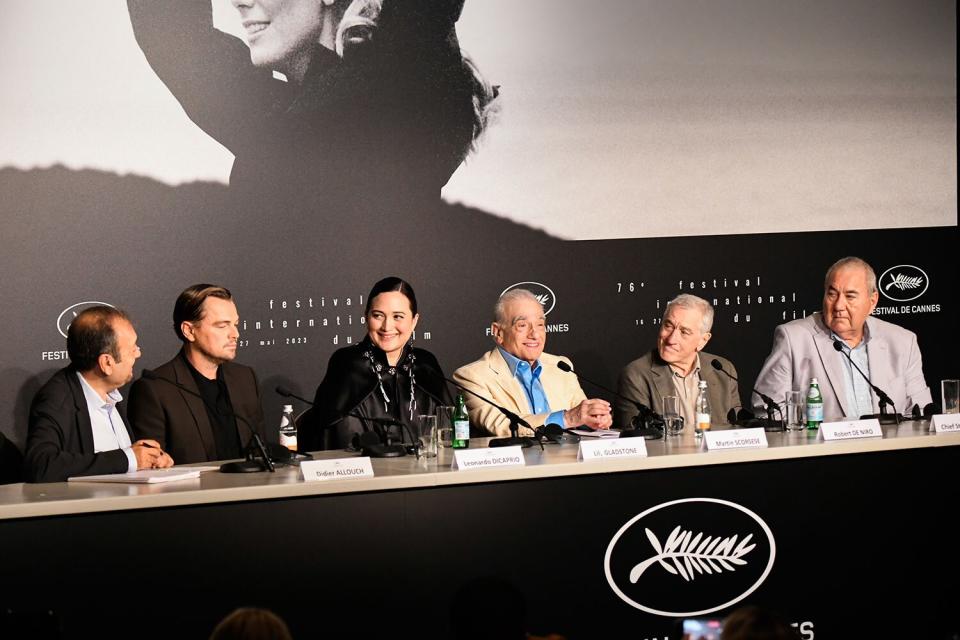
[514,295]
[852,261]
[690,301]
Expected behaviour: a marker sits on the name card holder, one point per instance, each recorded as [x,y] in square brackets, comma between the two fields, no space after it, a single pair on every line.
[336,469]
[851,429]
[488,458]
[754,438]
[591,450]
[945,422]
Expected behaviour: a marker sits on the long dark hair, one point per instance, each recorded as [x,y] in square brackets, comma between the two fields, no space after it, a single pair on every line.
[392,283]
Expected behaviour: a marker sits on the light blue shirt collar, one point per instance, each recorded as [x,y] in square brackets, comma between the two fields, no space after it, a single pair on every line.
[514,363]
[94,401]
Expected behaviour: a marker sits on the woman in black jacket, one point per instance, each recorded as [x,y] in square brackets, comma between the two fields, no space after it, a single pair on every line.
[382,377]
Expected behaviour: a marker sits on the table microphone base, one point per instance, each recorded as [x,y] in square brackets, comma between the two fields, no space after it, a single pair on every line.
[517,441]
[884,418]
[383,450]
[242,466]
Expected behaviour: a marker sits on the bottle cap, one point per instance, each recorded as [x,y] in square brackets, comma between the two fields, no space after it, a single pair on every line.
[287,407]
[813,381]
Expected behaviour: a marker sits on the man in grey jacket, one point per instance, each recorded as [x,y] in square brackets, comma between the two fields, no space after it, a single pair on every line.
[887,354]
[674,367]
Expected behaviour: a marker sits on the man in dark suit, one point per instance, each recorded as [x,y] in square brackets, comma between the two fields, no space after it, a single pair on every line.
[676,366]
[75,427]
[201,420]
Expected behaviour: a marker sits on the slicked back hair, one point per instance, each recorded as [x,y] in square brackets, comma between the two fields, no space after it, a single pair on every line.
[189,304]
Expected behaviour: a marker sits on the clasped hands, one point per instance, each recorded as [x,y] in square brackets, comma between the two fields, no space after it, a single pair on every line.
[593,413]
[150,455]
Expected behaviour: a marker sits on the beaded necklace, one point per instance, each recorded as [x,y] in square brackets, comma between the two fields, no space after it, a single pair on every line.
[407,364]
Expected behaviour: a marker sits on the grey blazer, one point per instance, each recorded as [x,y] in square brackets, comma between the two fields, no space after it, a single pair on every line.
[648,380]
[802,349]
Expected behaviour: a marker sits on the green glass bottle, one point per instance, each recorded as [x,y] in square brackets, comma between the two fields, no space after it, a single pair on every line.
[461,424]
[814,405]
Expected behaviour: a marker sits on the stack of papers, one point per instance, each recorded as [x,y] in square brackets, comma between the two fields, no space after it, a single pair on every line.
[598,433]
[144,476]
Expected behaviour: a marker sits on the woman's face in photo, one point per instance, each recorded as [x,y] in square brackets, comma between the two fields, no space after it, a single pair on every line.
[280,33]
[390,322]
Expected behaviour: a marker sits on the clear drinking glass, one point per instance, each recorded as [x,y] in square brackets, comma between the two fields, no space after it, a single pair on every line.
[672,419]
[950,394]
[427,433]
[445,425]
[796,419]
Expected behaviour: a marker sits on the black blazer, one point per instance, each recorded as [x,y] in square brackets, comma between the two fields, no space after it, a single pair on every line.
[60,437]
[179,421]
[351,386]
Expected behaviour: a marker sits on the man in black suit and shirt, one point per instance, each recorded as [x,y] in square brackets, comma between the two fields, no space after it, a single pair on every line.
[191,428]
[75,426]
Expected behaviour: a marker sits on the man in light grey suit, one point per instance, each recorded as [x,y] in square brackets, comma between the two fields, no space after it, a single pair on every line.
[887,354]
[674,367]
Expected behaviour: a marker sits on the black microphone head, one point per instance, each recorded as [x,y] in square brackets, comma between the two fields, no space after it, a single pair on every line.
[367,438]
[282,390]
[731,415]
[563,366]
[931,409]
[836,345]
[552,432]
[745,414]
[716,364]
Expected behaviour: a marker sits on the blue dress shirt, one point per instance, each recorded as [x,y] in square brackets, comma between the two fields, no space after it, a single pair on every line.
[529,379]
[859,393]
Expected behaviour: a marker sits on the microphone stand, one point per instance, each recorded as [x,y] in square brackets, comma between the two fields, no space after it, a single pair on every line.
[647,424]
[882,398]
[515,439]
[771,424]
[286,393]
[254,445]
[385,448]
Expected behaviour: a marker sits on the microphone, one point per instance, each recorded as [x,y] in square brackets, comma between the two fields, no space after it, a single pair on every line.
[882,398]
[376,443]
[771,425]
[515,422]
[246,466]
[652,421]
[286,393]
[741,415]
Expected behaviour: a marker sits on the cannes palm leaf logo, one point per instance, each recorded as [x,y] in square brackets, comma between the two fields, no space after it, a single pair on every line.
[903,282]
[686,554]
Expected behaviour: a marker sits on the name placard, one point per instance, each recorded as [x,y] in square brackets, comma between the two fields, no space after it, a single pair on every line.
[336,469]
[851,429]
[945,422]
[754,438]
[618,448]
[464,459]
